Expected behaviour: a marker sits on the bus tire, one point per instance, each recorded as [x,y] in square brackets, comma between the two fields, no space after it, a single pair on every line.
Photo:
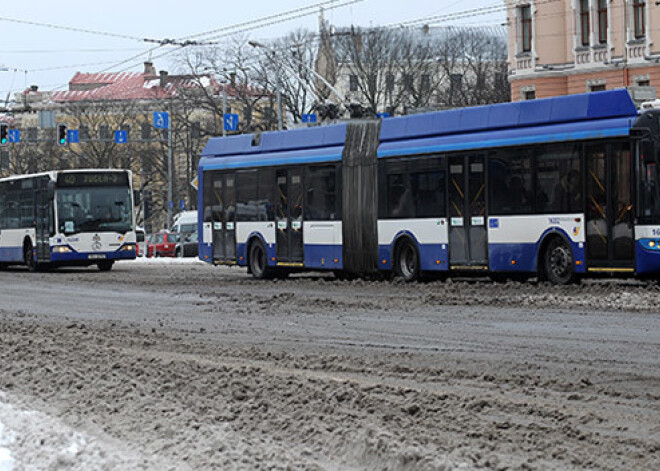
[28,256]
[558,262]
[258,260]
[406,261]
[105,265]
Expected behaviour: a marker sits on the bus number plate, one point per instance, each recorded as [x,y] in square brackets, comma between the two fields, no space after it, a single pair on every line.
[96,256]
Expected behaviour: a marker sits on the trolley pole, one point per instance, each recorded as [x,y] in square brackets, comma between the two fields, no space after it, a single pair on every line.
[169,176]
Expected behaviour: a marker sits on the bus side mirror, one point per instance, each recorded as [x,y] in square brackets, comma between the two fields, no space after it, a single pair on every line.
[51,190]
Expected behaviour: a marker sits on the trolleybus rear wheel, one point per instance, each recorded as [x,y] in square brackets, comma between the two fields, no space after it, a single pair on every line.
[406,263]
[558,262]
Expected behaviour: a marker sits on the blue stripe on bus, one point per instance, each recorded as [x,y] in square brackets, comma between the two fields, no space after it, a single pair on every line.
[467,144]
[432,257]
[78,256]
[258,161]
[647,261]
[323,256]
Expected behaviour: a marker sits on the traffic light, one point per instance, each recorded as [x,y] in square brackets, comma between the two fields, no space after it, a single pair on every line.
[4,134]
[61,134]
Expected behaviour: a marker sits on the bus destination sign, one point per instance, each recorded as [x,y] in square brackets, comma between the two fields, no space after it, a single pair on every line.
[76,179]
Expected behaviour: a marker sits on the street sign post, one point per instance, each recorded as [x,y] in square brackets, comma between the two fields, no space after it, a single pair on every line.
[161,120]
[121,137]
[309,118]
[231,122]
[73,136]
[14,136]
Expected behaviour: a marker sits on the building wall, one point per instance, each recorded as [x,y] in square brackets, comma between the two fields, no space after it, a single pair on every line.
[559,64]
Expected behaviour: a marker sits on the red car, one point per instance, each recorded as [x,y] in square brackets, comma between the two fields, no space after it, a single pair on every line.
[162,244]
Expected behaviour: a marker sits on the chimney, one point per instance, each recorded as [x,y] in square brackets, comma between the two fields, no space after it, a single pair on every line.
[163,78]
[149,68]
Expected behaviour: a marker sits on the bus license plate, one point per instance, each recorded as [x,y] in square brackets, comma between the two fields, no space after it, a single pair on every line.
[96,256]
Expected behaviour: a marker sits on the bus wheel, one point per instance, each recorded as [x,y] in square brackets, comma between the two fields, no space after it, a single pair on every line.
[558,262]
[258,263]
[406,263]
[105,265]
[28,257]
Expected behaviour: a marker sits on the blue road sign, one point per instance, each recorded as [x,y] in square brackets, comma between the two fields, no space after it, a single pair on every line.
[231,122]
[14,136]
[161,120]
[383,115]
[309,118]
[182,204]
[72,136]
[121,137]
[171,204]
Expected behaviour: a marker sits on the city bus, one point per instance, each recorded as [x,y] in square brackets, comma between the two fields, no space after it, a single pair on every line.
[67,218]
[558,188]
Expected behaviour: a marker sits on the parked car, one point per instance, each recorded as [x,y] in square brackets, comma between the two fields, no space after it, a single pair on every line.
[187,246]
[162,244]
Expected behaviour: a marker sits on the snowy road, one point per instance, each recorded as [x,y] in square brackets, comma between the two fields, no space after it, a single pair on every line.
[186,366]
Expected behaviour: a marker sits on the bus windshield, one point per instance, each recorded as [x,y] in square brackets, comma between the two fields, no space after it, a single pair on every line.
[94,209]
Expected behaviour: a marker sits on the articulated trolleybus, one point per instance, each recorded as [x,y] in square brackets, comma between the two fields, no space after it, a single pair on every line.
[67,217]
[558,188]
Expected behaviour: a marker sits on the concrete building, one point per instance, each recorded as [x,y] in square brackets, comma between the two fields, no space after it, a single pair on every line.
[561,47]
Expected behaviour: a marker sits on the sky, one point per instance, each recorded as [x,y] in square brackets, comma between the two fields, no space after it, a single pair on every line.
[49,57]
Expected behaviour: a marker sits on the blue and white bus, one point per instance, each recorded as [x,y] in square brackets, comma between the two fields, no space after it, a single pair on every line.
[67,217]
[560,188]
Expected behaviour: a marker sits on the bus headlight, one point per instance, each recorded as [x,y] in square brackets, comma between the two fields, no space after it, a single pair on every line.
[62,249]
[128,247]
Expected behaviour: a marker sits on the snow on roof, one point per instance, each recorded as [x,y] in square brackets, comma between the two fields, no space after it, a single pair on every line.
[128,86]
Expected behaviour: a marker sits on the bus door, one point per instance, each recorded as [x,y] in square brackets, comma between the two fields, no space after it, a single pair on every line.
[467,212]
[42,224]
[289,216]
[610,241]
[224,226]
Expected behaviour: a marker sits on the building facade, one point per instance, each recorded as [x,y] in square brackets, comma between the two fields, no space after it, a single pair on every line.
[562,47]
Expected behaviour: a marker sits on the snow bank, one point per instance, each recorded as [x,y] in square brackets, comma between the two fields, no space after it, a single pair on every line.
[166,260]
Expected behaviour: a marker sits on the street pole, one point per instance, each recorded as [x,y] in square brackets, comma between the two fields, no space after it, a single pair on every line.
[169,175]
[224,108]
[279,101]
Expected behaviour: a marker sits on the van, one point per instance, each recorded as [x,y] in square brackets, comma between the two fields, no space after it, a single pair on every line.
[185,222]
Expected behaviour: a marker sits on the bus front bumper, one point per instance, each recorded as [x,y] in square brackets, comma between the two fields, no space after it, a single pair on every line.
[68,254]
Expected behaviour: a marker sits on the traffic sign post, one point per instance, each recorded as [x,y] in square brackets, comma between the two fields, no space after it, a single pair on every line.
[121,137]
[73,136]
[309,118]
[14,136]
[231,122]
[161,120]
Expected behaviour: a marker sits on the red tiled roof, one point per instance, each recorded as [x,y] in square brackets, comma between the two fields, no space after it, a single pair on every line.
[129,86]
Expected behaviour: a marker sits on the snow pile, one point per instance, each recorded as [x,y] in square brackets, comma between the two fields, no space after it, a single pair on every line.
[166,260]
[34,440]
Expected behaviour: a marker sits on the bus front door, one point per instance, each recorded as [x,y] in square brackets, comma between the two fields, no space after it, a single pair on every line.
[467,213]
[42,220]
[289,216]
[224,208]
[610,244]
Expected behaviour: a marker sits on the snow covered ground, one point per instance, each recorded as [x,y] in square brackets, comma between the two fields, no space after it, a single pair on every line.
[31,440]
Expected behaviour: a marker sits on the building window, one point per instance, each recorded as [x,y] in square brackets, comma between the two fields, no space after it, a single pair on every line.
[529,95]
[638,17]
[104,132]
[526,27]
[84,133]
[602,21]
[644,83]
[408,82]
[353,83]
[584,22]
[597,88]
